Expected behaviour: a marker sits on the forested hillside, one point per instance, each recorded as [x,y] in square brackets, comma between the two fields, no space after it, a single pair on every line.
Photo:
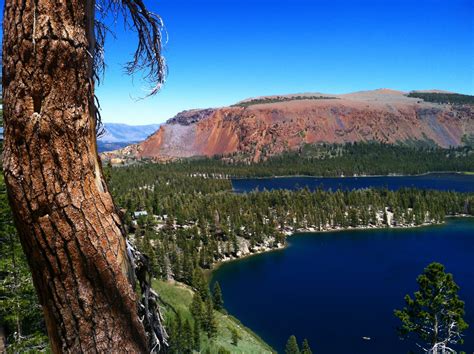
[443,97]
[194,324]
[193,221]
[336,160]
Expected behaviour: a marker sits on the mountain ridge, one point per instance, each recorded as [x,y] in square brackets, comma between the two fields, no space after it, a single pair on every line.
[269,125]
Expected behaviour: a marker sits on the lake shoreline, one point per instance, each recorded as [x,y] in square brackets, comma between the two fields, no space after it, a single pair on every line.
[282,247]
[467,173]
[371,271]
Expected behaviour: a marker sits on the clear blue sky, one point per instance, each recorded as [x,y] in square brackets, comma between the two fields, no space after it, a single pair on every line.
[222,51]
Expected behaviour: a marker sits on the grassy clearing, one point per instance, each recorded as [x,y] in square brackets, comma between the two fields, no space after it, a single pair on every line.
[178,297]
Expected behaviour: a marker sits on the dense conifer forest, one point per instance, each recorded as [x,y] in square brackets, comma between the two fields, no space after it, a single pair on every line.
[443,97]
[194,221]
[336,160]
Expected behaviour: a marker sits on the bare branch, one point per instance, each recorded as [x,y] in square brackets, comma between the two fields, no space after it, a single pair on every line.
[149,308]
[99,60]
[150,29]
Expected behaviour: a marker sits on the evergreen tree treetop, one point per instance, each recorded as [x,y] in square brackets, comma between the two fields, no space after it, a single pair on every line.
[305,349]
[217,298]
[435,314]
[292,346]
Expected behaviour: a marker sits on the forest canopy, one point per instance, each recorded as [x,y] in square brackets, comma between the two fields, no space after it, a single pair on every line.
[335,160]
[443,97]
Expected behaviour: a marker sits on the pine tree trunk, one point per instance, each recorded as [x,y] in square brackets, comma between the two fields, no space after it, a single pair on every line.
[67,221]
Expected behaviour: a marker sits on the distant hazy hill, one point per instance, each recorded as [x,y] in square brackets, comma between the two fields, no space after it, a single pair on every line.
[120,135]
[115,132]
[265,126]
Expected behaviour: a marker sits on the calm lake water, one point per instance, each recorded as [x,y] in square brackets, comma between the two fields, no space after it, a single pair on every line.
[335,288]
[439,181]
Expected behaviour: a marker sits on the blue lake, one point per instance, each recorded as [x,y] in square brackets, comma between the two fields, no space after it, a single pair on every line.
[439,181]
[335,288]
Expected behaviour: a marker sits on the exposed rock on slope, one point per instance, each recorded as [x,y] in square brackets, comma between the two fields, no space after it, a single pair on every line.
[260,130]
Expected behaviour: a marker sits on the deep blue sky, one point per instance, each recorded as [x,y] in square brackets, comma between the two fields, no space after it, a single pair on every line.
[222,51]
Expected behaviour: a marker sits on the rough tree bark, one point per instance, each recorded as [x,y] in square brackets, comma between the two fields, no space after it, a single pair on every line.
[67,221]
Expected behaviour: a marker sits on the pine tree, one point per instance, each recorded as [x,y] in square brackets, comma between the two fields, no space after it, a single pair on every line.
[292,346]
[217,297]
[187,267]
[187,335]
[197,308]
[58,121]
[385,218]
[200,284]
[196,336]
[173,331]
[305,348]
[235,244]
[210,320]
[179,333]
[436,314]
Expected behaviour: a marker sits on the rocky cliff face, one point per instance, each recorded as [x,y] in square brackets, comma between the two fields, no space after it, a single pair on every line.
[265,129]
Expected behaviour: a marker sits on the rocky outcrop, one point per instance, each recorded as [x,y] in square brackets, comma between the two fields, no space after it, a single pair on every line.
[191,116]
[261,130]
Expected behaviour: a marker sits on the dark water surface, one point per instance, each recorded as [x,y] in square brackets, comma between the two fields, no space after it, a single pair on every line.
[335,288]
[439,181]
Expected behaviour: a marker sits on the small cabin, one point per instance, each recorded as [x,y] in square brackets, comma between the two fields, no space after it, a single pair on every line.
[137,214]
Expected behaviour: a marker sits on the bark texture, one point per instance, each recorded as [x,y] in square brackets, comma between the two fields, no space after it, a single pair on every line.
[66,218]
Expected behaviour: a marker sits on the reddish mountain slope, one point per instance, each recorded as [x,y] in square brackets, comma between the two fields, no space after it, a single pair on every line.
[265,129]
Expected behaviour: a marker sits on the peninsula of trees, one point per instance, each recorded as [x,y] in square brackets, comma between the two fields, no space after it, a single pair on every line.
[193,221]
